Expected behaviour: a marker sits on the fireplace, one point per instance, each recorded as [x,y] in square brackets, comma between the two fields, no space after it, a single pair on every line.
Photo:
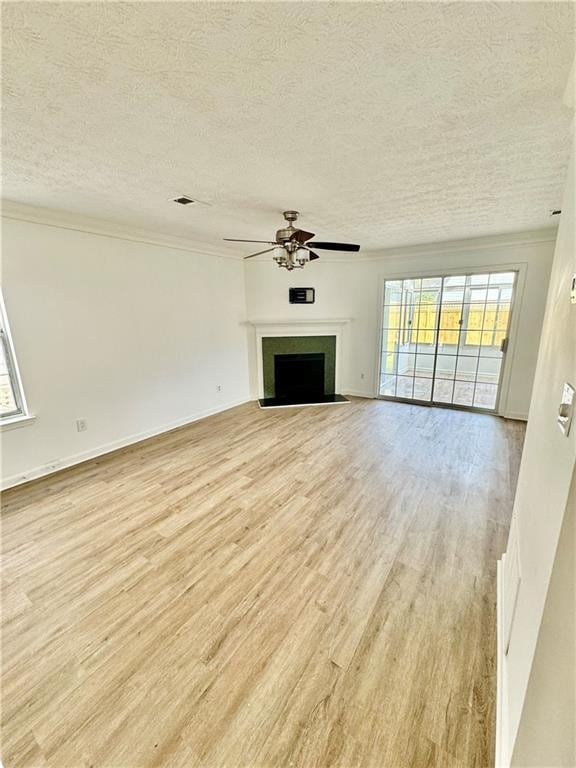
[299,378]
[299,370]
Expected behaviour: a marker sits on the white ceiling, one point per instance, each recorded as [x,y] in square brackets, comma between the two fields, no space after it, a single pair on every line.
[384,123]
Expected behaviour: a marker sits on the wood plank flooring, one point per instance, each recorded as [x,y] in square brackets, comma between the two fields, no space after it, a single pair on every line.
[300,588]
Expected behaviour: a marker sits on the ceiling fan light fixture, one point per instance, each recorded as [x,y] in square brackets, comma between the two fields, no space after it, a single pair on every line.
[294,244]
[302,256]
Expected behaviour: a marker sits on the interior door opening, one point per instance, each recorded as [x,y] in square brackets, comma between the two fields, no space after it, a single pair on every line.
[444,339]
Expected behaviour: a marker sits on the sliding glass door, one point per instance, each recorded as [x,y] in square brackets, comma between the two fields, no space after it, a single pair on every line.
[444,338]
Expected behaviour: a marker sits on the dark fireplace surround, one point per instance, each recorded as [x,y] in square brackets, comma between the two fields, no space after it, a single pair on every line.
[299,370]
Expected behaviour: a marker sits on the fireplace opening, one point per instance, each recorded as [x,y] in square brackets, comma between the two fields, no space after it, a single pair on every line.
[299,378]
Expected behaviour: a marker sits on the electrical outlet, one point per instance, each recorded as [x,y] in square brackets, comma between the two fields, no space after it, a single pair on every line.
[218,388]
[81,425]
[361,375]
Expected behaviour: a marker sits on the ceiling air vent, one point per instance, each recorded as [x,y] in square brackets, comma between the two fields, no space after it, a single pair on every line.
[183,200]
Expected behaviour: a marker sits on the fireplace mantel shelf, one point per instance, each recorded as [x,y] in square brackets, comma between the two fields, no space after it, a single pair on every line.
[303,321]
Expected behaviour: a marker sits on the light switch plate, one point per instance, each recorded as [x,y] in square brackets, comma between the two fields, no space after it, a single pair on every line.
[566,409]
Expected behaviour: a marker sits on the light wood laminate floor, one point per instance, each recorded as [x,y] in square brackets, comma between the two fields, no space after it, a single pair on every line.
[297,588]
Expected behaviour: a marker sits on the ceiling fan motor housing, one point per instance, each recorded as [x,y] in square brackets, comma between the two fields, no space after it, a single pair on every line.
[284,235]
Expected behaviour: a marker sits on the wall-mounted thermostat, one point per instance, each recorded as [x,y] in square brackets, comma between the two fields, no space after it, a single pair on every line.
[302,295]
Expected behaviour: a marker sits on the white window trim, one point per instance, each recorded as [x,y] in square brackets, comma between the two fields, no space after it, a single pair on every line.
[23,415]
[16,421]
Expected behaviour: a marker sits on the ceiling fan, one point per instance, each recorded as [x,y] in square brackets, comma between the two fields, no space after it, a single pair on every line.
[294,245]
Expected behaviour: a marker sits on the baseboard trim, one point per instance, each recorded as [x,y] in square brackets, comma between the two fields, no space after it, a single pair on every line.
[358,393]
[514,415]
[102,450]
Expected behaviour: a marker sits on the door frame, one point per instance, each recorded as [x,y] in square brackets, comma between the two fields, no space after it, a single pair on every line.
[506,371]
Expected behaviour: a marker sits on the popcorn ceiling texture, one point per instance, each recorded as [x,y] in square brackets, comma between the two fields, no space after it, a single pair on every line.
[384,123]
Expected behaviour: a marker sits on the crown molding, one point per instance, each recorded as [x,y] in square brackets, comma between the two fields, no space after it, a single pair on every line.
[510,240]
[67,220]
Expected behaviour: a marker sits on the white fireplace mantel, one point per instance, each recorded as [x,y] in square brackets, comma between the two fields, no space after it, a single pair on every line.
[332,326]
[302,321]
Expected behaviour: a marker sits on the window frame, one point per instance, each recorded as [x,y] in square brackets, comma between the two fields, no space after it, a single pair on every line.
[21,410]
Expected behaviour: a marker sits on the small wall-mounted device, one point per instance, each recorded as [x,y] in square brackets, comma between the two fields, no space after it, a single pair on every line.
[302,295]
[566,409]
[573,289]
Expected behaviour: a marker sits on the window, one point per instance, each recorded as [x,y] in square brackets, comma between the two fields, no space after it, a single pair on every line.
[12,403]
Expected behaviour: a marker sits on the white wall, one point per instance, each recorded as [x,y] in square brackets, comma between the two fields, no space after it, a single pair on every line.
[547,730]
[352,288]
[542,495]
[134,337]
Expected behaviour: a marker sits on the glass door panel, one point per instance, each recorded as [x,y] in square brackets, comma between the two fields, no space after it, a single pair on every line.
[444,338]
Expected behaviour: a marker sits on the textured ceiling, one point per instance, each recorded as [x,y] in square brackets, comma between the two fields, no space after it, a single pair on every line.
[384,123]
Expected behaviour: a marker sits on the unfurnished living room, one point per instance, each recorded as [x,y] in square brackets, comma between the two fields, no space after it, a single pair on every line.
[287,384]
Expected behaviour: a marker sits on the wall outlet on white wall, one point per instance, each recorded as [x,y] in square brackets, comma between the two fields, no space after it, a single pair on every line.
[218,388]
[361,375]
[81,425]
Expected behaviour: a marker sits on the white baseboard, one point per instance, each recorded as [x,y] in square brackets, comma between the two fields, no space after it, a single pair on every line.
[101,450]
[358,393]
[514,415]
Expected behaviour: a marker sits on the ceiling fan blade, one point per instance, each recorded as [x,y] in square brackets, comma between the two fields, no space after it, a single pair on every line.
[260,252]
[336,246]
[301,236]
[235,240]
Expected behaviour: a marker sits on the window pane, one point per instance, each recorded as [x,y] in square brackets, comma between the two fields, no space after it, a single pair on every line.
[474,321]
[426,345]
[388,386]
[389,363]
[424,337]
[443,390]
[425,365]
[405,386]
[463,393]
[448,342]
[450,316]
[466,368]
[390,339]
[485,396]
[476,295]
[393,292]
[446,366]
[391,317]
[426,317]
[502,278]
[488,370]
[406,363]
[422,389]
